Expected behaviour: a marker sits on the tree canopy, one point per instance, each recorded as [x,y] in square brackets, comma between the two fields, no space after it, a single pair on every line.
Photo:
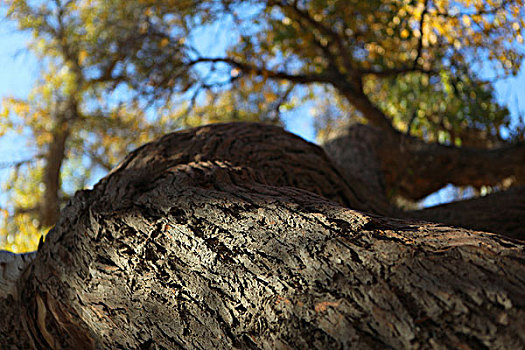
[116,74]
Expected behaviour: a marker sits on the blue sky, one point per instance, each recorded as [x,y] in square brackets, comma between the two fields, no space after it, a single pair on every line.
[18,70]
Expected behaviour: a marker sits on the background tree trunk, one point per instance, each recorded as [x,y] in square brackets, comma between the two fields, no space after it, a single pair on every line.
[414,169]
[501,212]
[50,206]
[174,249]
[67,114]
[395,164]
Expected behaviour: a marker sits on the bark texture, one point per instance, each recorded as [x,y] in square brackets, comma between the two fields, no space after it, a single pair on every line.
[176,250]
[279,157]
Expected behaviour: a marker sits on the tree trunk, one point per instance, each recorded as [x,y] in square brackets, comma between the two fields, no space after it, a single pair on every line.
[414,169]
[175,249]
[395,164]
[50,206]
[355,153]
[50,203]
[501,212]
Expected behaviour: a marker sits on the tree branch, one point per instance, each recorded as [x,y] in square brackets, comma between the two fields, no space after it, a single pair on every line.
[413,169]
[420,42]
[385,73]
[310,78]
[19,163]
[501,212]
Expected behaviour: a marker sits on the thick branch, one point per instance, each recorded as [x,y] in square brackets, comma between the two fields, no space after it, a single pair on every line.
[287,161]
[416,169]
[502,212]
[406,166]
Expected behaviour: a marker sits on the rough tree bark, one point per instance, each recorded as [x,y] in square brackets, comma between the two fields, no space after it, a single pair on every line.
[398,164]
[176,249]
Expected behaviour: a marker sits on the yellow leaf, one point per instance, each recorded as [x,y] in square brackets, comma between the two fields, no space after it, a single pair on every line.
[466,20]
[82,55]
[164,42]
